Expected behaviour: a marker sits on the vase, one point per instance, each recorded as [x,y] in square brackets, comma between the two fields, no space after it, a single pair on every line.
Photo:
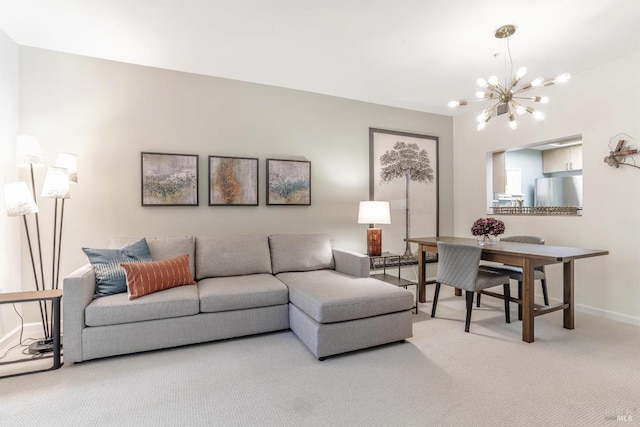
[486,239]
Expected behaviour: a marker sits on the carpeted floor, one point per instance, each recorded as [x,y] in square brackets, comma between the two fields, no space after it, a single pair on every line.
[440,377]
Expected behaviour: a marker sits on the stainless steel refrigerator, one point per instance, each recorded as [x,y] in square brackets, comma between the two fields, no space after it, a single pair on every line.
[559,191]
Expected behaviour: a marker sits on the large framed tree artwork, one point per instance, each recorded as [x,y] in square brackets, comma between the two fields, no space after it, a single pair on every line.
[404,171]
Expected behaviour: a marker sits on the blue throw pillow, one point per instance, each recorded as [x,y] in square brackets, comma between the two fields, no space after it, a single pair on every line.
[110,276]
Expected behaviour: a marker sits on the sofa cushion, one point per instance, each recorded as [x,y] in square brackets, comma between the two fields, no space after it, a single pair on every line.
[328,296]
[110,276]
[220,256]
[241,292]
[300,252]
[148,277]
[116,309]
[163,247]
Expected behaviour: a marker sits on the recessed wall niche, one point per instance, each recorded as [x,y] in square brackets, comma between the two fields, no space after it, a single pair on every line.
[538,179]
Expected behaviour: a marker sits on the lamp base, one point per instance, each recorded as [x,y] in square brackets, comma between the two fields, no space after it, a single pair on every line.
[42,346]
[374,241]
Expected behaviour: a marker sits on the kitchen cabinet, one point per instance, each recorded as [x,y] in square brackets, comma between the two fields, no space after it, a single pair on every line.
[562,159]
[499,172]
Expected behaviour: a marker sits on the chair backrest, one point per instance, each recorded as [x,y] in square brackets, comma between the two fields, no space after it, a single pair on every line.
[458,265]
[524,239]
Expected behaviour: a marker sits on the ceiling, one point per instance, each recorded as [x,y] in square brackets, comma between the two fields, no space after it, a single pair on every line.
[415,54]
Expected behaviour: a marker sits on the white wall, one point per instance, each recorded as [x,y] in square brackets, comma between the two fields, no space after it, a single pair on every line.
[598,104]
[108,112]
[10,228]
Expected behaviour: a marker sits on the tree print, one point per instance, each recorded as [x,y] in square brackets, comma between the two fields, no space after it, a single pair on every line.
[406,161]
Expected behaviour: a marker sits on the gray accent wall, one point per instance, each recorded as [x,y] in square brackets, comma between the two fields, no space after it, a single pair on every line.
[108,112]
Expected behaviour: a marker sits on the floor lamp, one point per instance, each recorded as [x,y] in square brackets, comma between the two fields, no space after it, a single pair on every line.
[29,155]
[56,185]
[372,213]
[19,201]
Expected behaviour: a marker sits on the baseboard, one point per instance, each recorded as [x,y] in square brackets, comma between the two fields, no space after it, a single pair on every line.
[31,330]
[625,318]
[607,314]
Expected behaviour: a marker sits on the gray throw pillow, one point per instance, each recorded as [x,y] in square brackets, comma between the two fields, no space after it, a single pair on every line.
[110,276]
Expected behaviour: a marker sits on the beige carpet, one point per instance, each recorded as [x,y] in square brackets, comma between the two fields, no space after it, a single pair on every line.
[441,377]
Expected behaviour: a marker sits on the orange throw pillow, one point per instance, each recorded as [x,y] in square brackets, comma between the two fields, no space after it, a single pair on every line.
[147,277]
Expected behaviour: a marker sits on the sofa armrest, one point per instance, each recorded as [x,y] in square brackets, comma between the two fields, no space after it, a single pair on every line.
[351,263]
[77,291]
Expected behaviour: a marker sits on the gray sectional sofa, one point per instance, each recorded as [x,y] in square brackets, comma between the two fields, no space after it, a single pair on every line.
[244,285]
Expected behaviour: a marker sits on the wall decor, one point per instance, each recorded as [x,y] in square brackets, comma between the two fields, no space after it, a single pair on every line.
[233,181]
[169,179]
[288,182]
[403,170]
[618,156]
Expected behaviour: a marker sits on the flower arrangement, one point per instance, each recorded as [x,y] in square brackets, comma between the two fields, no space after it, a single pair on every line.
[487,226]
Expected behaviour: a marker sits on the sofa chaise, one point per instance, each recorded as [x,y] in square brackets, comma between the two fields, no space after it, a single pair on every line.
[244,285]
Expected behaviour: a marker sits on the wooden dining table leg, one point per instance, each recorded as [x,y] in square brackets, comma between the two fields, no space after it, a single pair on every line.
[568,283]
[527,301]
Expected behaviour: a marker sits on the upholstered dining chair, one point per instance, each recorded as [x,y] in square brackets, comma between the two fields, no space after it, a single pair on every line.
[458,266]
[515,273]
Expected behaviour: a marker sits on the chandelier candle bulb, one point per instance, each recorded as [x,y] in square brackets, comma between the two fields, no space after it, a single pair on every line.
[540,99]
[537,82]
[522,71]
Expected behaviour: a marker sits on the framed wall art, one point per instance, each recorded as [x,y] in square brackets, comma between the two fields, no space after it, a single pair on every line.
[169,179]
[233,181]
[288,182]
[403,170]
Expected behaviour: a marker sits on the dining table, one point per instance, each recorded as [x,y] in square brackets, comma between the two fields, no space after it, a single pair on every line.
[525,255]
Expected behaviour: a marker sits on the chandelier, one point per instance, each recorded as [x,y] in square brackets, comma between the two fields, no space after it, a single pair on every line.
[508,96]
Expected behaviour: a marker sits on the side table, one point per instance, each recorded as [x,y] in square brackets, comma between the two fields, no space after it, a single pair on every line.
[53,295]
[392,278]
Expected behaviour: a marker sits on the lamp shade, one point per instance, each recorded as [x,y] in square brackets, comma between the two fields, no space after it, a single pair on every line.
[56,184]
[18,199]
[28,151]
[70,163]
[374,212]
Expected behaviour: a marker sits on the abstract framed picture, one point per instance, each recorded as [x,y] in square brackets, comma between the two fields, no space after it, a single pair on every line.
[288,182]
[233,181]
[403,170]
[169,179]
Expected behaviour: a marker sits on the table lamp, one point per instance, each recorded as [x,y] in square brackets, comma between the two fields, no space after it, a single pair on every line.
[372,213]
